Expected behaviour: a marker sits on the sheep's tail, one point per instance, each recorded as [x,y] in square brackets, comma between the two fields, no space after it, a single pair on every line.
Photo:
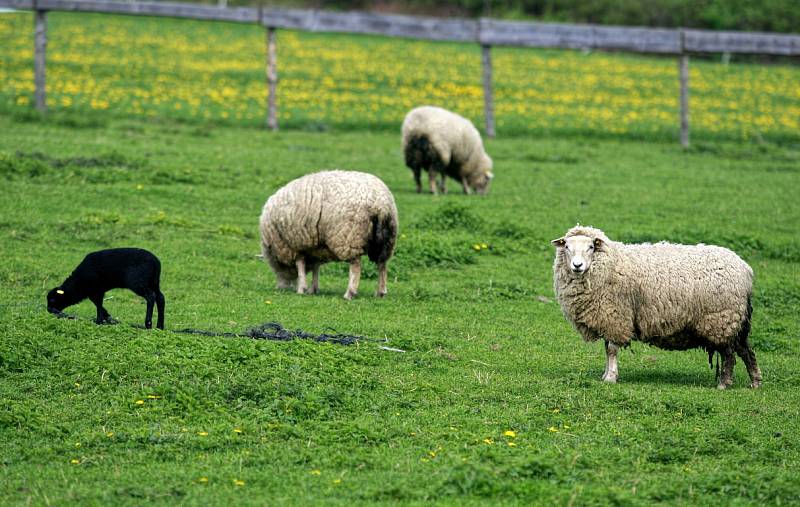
[419,152]
[381,242]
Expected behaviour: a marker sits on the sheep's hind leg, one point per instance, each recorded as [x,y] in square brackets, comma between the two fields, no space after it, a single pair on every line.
[465,186]
[612,371]
[749,357]
[381,280]
[355,277]
[301,275]
[160,303]
[150,297]
[103,317]
[314,279]
[417,179]
[728,360]
[443,186]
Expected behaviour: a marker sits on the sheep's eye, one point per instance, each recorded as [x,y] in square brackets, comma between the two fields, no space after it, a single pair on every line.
[591,247]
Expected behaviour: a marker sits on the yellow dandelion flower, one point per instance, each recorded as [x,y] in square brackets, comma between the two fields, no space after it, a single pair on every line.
[316,471]
[511,444]
[77,384]
[153,397]
[139,186]
[202,480]
[237,430]
[509,433]
[77,444]
[202,433]
[267,302]
[140,402]
[110,434]
[75,461]
[337,481]
[484,246]
[432,454]
[488,441]
[238,482]
[556,410]
[476,247]
[553,429]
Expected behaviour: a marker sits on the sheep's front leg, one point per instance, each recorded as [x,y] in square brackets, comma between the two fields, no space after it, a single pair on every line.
[612,372]
[467,190]
[443,186]
[103,316]
[315,279]
[432,180]
[355,278]
[381,280]
[301,275]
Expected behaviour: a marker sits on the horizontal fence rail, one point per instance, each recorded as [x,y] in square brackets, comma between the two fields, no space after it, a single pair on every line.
[484,31]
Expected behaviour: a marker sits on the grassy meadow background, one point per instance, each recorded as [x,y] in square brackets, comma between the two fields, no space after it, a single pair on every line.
[153,140]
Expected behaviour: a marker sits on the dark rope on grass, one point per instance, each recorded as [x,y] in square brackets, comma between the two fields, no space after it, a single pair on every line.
[275,331]
[266,331]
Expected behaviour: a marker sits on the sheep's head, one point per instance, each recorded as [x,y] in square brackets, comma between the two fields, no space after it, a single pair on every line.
[578,247]
[481,181]
[286,275]
[57,300]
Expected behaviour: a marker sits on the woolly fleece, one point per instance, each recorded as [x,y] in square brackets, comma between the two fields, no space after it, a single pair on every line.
[326,216]
[455,139]
[668,295]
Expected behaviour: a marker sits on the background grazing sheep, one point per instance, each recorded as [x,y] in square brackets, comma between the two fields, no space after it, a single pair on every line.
[671,296]
[329,216]
[442,142]
[117,268]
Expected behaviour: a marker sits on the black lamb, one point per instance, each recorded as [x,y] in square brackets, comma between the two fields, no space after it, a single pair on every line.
[118,268]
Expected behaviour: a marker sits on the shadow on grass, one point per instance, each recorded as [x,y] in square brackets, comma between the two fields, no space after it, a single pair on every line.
[695,377]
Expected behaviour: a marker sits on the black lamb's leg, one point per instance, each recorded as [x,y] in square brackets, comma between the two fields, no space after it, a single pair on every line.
[150,297]
[103,316]
[160,303]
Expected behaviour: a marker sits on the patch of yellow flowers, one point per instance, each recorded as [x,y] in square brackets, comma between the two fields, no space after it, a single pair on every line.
[215,71]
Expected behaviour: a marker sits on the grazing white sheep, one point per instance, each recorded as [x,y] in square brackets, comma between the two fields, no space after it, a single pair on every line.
[329,216]
[442,142]
[671,296]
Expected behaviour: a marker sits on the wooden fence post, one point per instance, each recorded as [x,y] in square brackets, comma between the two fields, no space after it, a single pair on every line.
[684,77]
[272,80]
[488,98]
[40,49]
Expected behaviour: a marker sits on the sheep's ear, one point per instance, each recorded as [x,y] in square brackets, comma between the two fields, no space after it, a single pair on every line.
[490,175]
[560,242]
[598,242]
[59,291]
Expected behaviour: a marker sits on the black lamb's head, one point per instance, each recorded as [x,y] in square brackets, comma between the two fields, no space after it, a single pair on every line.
[57,300]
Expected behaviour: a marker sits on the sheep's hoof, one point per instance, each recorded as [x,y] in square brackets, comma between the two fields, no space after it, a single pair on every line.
[380,294]
[349,295]
[609,379]
[110,321]
[755,384]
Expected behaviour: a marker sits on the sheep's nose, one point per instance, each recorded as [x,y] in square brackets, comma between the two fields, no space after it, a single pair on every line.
[577,264]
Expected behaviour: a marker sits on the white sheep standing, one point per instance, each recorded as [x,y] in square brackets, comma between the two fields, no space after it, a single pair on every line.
[671,296]
[329,216]
[442,142]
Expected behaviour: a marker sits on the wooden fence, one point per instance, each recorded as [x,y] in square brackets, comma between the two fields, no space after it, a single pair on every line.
[484,31]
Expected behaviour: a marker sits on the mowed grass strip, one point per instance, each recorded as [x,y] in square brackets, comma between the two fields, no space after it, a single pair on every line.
[100,65]
[495,399]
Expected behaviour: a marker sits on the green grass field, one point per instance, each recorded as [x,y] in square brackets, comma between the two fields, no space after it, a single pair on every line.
[495,401]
